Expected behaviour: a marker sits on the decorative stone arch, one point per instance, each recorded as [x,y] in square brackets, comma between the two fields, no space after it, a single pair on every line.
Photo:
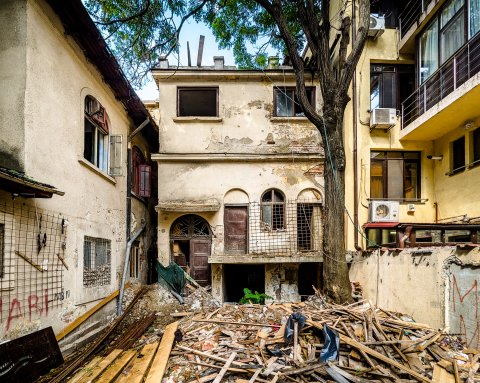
[310,196]
[236,197]
[191,238]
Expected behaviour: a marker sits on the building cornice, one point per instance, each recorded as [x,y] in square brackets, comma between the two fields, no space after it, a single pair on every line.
[235,157]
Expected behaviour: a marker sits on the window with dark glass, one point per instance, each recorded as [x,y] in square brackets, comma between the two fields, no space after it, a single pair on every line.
[197,102]
[141,174]
[286,102]
[395,175]
[273,210]
[476,146]
[390,85]
[458,155]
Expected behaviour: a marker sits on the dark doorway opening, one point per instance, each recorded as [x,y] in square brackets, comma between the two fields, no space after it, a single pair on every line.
[308,276]
[237,277]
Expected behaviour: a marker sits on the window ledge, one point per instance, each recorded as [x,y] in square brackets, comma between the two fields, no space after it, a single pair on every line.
[456,171]
[96,170]
[197,119]
[286,119]
[474,164]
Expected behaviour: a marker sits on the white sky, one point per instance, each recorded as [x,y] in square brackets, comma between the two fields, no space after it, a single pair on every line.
[191,32]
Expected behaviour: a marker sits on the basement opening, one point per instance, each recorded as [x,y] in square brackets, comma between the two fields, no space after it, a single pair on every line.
[308,276]
[237,277]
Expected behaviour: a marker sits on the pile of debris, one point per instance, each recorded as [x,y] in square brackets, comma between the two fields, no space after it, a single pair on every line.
[313,341]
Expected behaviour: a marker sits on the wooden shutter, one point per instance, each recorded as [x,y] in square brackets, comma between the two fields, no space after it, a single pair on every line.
[115,168]
[145,178]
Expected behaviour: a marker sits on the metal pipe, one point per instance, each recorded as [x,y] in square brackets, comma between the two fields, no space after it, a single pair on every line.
[125,266]
[355,147]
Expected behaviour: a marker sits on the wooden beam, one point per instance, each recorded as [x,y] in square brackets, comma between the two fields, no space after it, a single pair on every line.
[159,363]
[82,318]
[224,369]
[117,367]
[140,365]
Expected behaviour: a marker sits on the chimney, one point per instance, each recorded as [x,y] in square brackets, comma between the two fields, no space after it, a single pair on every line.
[272,62]
[219,62]
[163,62]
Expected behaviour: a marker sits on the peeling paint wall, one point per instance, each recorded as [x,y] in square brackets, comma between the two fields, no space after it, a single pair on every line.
[437,286]
[51,129]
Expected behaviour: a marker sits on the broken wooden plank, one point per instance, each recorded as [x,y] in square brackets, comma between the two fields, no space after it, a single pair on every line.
[82,318]
[441,375]
[97,368]
[375,354]
[78,377]
[181,314]
[140,365]
[236,323]
[112,372]
[159,363]
[225,367]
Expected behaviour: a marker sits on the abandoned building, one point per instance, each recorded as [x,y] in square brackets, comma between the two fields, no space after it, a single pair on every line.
[412,133]
[240,180]
[69,119]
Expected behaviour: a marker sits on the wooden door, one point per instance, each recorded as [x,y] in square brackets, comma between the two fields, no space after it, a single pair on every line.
[199,267]
[236,229]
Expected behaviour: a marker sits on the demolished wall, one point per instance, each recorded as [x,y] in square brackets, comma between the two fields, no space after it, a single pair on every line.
[436,285]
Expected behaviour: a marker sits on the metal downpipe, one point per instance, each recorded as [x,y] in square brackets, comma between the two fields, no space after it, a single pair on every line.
[125,267]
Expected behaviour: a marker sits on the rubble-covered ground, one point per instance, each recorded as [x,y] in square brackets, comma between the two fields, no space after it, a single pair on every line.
[312,341]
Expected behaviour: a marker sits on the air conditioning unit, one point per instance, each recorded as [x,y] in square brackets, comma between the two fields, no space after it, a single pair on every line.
[377,25]
[383,118]
[384,211]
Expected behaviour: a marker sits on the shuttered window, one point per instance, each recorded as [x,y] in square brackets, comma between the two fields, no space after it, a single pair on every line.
[145,177]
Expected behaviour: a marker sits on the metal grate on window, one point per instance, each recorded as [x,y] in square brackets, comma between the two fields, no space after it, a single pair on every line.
[2,249]
[285,229]
[96,262]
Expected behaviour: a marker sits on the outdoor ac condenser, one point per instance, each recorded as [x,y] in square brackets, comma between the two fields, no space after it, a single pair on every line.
[384,211]
[377,25]
[383,118]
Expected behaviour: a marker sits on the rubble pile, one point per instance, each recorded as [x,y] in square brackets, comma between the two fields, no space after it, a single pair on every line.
[314,341]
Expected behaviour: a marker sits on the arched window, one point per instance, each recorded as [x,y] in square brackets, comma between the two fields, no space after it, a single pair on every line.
[95,148]
[273,209]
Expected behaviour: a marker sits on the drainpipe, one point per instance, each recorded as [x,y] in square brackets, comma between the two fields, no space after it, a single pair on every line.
[129,175]
[125,266]
[355,149]
[128,218]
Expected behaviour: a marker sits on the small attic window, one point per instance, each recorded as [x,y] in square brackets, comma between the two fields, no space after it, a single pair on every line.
[197,102]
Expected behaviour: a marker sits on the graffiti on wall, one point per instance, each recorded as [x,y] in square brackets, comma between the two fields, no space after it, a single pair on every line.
[32,262]
[464,298]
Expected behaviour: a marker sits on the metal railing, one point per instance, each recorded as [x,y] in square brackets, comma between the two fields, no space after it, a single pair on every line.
[410,15]
[462,66]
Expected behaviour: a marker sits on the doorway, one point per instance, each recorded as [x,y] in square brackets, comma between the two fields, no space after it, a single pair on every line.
[191,238]
[236,229]
[237,277]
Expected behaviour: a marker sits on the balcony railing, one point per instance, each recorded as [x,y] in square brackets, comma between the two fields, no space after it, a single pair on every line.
[462,66]
[410,14]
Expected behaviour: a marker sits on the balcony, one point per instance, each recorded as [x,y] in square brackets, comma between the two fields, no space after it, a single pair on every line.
[411,14]
[447,99]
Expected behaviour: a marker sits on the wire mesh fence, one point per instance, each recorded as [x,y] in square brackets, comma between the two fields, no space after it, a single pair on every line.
[285,228]
[32,247]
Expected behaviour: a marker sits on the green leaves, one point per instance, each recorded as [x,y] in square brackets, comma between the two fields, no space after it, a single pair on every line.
[257,298]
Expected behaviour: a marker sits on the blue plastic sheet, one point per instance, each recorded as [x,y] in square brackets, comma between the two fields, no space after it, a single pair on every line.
[331,346]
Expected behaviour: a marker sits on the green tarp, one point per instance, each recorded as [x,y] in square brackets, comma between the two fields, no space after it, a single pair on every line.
[173,275]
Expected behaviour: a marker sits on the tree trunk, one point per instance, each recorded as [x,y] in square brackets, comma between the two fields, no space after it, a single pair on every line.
[335,269]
